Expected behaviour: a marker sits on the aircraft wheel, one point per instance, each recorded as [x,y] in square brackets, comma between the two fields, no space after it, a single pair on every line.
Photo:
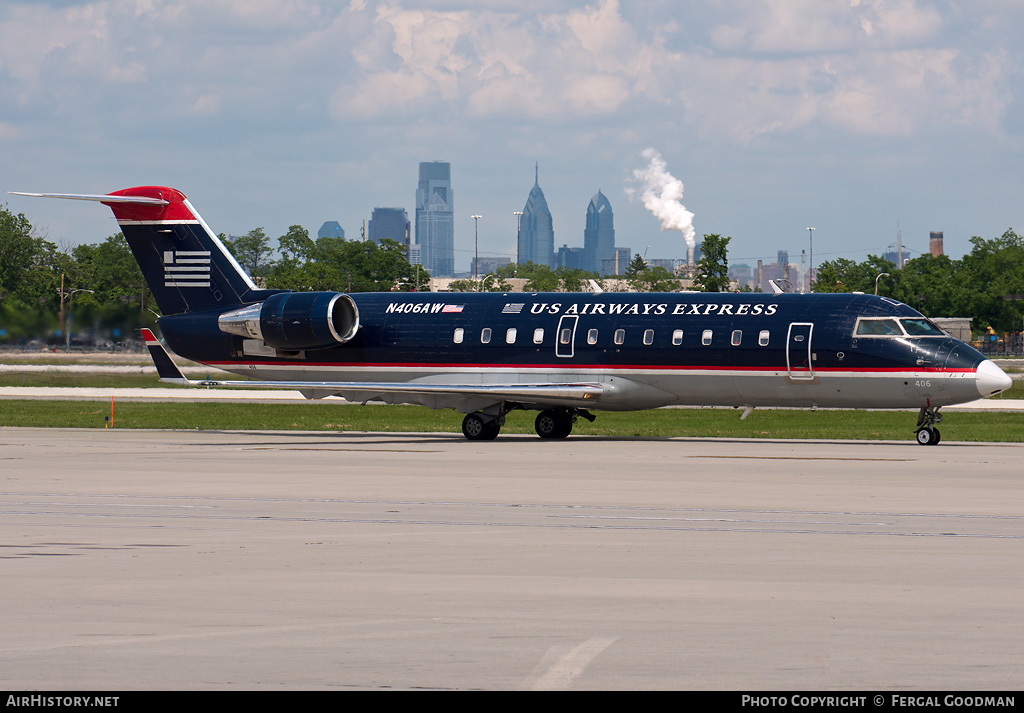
[492,430]
[928,436]
[553,423]
[475,428]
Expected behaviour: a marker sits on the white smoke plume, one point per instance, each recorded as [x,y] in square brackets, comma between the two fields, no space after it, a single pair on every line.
[662,195]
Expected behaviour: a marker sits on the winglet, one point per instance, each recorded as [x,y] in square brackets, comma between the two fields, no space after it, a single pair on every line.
[165,367]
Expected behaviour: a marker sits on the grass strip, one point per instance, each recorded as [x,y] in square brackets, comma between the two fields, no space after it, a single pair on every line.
[659,423]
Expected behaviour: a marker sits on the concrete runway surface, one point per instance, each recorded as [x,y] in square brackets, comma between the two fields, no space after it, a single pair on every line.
[245,560]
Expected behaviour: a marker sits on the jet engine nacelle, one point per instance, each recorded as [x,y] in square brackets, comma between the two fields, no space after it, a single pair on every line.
[294,321]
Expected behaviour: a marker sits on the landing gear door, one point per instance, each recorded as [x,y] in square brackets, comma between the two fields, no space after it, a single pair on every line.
[799,359]
[565,337]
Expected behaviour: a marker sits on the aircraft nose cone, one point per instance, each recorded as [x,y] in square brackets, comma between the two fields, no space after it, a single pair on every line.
[990,379]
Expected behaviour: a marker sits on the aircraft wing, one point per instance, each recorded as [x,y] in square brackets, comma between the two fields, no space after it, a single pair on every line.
[462,397]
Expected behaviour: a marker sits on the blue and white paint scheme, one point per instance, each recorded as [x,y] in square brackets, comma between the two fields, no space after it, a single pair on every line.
[565,355]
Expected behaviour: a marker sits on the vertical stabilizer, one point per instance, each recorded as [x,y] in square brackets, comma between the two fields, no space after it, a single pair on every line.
[186,266]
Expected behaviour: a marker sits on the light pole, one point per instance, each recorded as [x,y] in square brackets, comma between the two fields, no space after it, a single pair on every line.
[65,318]
[880,275]
[476,242]
[519,229]
[810,274]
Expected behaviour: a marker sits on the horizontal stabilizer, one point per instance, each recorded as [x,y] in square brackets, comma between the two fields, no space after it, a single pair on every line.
[93,197]
[165,367]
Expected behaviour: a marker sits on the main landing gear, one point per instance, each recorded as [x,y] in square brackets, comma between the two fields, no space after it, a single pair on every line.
[479,427]
[550,423]
[558,422]
[927,433]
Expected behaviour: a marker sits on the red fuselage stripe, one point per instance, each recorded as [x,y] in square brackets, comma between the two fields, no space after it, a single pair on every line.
[587,367]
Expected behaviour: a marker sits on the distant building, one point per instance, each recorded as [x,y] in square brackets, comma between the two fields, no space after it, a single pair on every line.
[667,263]
[617,264]
[536,231]
[894,257]
[599,235]
[571,258]
[435,218]
[331,229]
[389,224]
[742,274]
[786,274]
[487,265]
[935,243]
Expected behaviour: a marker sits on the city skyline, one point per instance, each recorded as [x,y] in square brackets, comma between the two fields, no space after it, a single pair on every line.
[863,119]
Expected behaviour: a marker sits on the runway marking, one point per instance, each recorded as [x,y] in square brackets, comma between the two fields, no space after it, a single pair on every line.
[561,673]
[886,460]
[368,450]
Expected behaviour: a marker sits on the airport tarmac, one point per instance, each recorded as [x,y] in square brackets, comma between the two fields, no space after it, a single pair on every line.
[247,560]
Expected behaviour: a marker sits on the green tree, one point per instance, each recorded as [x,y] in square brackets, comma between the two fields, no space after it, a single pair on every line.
[253,253]
[712,274]
[119,294]
[28,279]
[658,279]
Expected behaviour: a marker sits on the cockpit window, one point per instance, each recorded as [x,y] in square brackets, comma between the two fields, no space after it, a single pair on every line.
[921,328]
[878,328]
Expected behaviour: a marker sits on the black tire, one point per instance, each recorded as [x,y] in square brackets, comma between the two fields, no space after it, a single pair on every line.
[553,423]
[475,428]
[927,436]
[491,430]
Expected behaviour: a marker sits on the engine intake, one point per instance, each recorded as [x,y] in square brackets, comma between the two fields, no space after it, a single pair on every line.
[296,320]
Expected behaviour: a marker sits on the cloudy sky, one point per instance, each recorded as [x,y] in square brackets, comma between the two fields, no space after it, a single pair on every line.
[857,117]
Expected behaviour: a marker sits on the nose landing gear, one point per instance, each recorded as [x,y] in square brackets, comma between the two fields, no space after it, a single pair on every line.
[927,433]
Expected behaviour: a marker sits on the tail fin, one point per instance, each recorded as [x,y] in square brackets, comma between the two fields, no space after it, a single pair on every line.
[186,266]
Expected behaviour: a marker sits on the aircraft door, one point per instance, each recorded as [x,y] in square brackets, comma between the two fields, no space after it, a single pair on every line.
[565,336]
[799,360]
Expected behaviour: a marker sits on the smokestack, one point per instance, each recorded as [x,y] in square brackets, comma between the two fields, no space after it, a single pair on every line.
[935,242]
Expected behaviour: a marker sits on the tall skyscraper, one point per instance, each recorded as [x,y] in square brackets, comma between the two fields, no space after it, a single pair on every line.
[435,218]
[331,229]
[599,235]
[536,232]
[389,224]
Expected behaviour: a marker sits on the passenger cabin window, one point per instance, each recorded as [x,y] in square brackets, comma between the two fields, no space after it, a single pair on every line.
[705,338]
[620,336]
[459,334]
[677,337]
[648,337]
[538,336]
[510,336]
[879,328]
[763,337]
[592,336]
[566,336]
[737,337]
[485,335]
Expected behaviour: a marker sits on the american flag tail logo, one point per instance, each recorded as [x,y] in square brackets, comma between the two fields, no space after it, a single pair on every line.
[186,268]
